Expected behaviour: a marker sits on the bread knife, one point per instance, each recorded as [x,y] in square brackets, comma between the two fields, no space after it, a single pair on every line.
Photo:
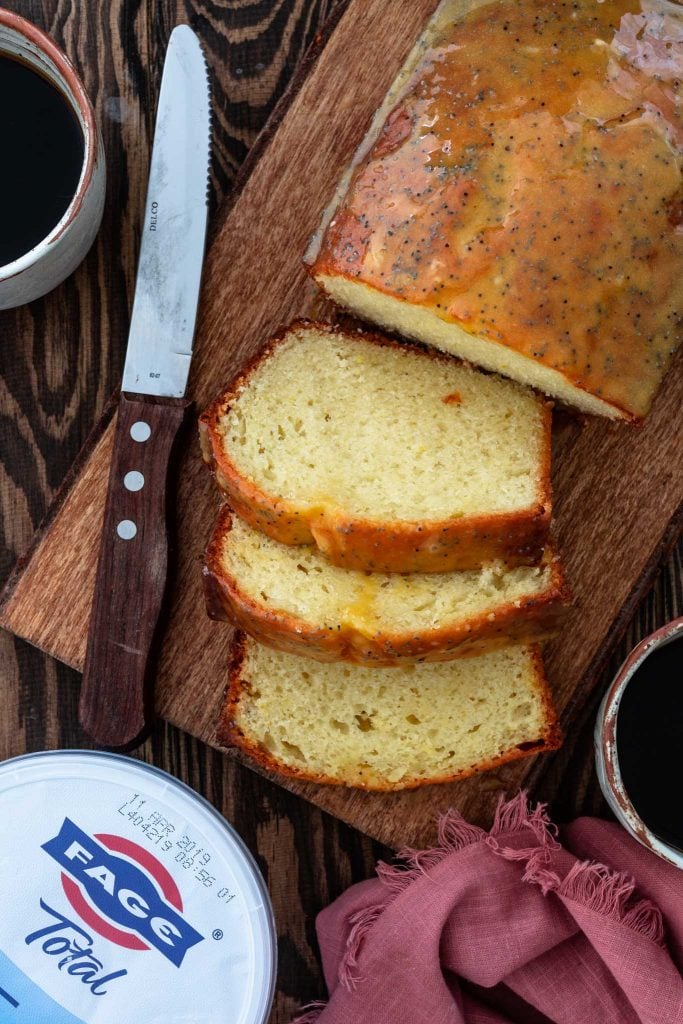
[116,700]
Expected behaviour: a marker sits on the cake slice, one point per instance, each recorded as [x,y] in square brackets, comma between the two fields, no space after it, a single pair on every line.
[387,728]
[517,201]
[293,599]
[389,458]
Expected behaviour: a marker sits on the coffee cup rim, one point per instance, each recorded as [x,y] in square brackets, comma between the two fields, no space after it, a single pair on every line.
[86,114]
[606,757]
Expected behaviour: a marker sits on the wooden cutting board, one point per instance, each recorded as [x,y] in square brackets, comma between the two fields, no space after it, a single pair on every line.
[618,489]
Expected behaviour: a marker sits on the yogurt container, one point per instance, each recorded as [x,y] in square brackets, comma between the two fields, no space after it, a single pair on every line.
[125,898]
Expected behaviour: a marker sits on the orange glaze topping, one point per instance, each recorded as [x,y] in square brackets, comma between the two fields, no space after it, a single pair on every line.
[527,186]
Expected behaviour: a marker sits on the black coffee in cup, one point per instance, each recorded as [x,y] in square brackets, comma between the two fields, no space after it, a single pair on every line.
[42,157]
[650,740]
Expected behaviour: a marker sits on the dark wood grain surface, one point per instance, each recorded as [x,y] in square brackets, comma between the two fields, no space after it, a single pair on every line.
[61,357]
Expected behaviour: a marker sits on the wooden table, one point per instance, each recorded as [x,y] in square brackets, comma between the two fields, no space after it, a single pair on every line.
[61,357]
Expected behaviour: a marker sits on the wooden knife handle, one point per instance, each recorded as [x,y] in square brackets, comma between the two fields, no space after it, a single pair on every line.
[116,706]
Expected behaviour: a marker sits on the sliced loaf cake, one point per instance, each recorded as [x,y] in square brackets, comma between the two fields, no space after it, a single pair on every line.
[517,201]
[387,729]
[388,457]
[293,599]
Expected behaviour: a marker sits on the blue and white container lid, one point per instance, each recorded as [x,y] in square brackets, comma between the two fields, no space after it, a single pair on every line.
[125,897]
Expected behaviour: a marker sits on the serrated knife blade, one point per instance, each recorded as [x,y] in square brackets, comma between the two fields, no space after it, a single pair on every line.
[116,705]
[174,229]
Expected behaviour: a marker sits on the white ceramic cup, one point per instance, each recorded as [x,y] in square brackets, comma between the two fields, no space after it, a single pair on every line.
[57,255]
[606,758]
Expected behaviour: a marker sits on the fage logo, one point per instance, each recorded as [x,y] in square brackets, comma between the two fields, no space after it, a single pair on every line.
[111,886]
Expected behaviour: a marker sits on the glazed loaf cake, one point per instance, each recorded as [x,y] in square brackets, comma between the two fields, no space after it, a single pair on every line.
[517,201]
[387,728]
[387,457]
[293,599]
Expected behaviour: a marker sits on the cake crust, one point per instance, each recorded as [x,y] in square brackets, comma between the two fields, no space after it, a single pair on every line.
[356,542]
[533,618]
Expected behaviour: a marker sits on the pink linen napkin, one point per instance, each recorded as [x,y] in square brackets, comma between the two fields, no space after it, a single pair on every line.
[509,927]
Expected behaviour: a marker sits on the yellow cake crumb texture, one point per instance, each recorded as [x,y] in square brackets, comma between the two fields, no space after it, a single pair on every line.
[389,728]
[300,582]
[327,420]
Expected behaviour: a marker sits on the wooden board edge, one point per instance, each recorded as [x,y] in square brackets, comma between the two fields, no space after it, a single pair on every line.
[638,592]
[56,505]
[662,550]
[255,153]
[277,114]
